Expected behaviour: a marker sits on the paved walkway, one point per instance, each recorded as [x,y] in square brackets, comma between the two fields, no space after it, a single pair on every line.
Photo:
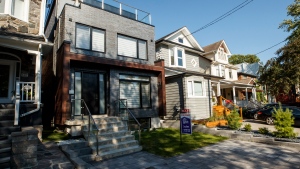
[230,154]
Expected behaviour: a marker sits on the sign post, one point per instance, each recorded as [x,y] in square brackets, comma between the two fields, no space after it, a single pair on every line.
[185,123]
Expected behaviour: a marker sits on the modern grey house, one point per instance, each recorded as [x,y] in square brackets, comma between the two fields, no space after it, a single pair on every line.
[187,73]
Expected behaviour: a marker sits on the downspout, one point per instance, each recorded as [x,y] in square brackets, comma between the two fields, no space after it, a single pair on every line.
[209,97]
[38,63]
[38,87]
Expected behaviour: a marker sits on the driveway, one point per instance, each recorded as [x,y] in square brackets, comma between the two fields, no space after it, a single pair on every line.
[256,124]
[230,154]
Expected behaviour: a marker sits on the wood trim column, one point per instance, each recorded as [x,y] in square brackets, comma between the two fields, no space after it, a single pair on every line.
[161,84]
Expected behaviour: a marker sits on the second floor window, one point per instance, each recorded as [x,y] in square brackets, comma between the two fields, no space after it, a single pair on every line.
[132,47]
[230,74]
[177,57]
[90,38]
[16,8]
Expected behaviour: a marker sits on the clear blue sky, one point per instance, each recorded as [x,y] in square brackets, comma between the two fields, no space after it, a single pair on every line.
[247,31]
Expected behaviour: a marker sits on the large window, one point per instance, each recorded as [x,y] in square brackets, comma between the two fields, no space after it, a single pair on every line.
[16,8]
[132,47]
[136,90]
[90,38]
[177,57]
[195,88]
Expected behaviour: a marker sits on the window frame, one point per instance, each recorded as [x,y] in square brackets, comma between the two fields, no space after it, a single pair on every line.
[230,75]
[141,82]
[180,40]
[8,9]
[137,47]
[91,28]
[175,54]
[191,91]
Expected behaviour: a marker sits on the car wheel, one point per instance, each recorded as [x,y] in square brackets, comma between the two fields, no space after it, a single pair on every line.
[255,116]
[269,120]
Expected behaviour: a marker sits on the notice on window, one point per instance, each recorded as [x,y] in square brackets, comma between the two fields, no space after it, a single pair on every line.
[185,123]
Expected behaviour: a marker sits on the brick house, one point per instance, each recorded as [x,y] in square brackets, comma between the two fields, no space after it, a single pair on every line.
[103,54]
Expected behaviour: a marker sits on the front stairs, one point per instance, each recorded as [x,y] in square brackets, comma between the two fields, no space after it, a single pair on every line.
[114,139]
[7,113]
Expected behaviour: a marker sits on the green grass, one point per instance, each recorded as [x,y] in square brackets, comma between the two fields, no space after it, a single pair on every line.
[166,142]
[54,135]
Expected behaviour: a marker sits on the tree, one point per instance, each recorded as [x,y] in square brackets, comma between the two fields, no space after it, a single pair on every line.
[283,72]
[237,59]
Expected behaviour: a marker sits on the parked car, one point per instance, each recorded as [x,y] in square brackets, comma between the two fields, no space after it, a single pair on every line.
[252,113]
[266,114]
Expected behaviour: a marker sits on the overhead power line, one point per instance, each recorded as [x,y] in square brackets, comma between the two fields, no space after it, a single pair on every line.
[240,6]
[270,47]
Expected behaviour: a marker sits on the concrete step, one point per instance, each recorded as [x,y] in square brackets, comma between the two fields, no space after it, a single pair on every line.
[5,142]
[7,117]
[6,123]
[9,130]
[5,152]
[111,154]
[108,129]
[107,135]
[5,162]
[112,147]
[115,140]
[103,120]
[5,112]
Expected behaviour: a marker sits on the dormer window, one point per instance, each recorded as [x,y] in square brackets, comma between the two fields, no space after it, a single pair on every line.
[180,40]
[221,54]
[177,57]
[16,8]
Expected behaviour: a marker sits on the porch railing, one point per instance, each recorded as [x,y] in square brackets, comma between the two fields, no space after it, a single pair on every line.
[122,9]
[92,126]
[26,91]
[228,104]
[125,115]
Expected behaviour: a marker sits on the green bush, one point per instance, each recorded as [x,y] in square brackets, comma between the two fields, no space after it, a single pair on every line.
[283,121]
[263,130]
[233,120]
[248,127]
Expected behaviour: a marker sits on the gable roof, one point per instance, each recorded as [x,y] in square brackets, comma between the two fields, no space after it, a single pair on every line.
[246,81]
[215,46]
[187,34]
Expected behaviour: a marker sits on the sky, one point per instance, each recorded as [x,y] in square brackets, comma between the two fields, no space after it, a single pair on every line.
[249,30]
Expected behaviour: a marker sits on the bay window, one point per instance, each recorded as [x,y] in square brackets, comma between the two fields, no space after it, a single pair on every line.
[90,38]
[136,90]
[16,8]
[132,47]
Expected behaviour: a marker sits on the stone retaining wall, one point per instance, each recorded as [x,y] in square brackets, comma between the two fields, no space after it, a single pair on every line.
[24,148]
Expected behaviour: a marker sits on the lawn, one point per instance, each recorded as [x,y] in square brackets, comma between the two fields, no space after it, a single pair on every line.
[166,142]
[54,135]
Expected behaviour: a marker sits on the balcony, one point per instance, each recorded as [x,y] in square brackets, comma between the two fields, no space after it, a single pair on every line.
[119,8]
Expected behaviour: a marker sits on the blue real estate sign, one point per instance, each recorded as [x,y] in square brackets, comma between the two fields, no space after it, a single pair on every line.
[185,122]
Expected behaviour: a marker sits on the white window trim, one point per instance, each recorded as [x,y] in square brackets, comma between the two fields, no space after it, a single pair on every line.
[203,89]
[175,49]
[8,9]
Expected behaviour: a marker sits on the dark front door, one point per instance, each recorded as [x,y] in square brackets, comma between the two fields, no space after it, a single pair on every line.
[90,92]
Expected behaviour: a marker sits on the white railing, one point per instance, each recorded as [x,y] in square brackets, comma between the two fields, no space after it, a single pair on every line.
[117,7]
[26,91]
[242,103]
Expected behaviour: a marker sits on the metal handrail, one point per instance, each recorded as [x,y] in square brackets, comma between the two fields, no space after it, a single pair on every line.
[90,117]
[234,105]
[139,124]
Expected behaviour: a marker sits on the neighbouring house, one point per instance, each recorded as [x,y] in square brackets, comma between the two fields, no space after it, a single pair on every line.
[22,49]
[239,91]
[187,73]
[103,54]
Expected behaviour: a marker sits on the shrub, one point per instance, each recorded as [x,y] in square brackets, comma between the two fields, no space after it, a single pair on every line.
[283,121]
[248,127]
[263,130]
[234,120]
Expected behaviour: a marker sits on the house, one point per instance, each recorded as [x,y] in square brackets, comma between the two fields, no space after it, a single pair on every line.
[22,49]
[104,55]
[230,87]
[187,73]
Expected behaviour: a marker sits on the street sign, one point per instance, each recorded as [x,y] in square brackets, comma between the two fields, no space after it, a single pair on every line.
[185,123]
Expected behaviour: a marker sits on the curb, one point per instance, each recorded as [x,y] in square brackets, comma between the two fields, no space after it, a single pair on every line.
[245,137]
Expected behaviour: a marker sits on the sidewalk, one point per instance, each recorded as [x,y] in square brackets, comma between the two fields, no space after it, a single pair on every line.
[49,156]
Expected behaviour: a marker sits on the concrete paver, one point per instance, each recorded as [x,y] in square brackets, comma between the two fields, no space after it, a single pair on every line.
[230,154]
